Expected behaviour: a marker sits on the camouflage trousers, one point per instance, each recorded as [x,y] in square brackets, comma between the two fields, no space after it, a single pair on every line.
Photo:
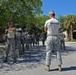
[18,46]
[53,43]
[10,45]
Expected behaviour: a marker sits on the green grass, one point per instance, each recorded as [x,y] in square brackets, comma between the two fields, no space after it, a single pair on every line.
[74,40]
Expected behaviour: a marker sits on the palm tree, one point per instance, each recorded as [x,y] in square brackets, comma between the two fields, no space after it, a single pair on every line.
[69,24]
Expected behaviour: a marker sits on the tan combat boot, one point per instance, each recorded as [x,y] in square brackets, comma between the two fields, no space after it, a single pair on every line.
[47,68]
[59,68]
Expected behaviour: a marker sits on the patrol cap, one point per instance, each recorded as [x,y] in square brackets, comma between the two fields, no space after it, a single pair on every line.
[51,12]
[10,23]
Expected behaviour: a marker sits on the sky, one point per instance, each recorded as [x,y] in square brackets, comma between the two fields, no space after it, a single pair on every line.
[60,7]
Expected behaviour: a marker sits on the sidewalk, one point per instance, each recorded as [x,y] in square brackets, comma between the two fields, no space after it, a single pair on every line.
[33,63]
[71,42]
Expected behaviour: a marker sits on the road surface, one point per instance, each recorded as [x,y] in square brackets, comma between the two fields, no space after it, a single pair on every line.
[33,63]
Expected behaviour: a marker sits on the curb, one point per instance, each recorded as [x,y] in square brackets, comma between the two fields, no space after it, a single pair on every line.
[71,42]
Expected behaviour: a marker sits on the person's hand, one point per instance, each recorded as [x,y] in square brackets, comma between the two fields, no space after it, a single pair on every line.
[6,30]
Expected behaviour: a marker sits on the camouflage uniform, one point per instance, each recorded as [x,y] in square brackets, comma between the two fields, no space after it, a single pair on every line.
[10,45]
[27,41]
[53,43]
[18,43]
[23,42]
[62,36]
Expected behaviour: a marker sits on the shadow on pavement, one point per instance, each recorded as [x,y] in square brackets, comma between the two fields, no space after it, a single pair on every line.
[65,69]
[69,50]
[31,59]
[69,68]
[35,57]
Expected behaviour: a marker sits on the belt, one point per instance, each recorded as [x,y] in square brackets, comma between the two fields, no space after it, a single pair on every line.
[52,35]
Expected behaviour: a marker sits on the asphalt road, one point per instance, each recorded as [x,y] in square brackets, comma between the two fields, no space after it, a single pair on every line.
[33,63]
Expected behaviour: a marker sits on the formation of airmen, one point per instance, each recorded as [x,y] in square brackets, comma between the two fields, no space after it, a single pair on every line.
[17,40]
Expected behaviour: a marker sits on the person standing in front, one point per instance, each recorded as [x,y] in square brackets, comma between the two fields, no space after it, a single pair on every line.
[10,42]
[52,42]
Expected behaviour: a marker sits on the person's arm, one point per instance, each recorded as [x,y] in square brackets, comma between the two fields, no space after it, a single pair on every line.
[6,30]
[45,27]
[59,28]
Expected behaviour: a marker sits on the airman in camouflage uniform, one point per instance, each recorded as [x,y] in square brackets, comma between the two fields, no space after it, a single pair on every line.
[18,40]
[10,44]
[53,43]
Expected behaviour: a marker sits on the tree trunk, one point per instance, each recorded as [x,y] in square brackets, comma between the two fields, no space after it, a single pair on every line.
[71,33]
[67,35]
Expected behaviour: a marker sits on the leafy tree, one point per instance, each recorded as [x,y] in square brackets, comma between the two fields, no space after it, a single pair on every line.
[61,20]
[38,25]
[21,11]
[41,21]
[70,25]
